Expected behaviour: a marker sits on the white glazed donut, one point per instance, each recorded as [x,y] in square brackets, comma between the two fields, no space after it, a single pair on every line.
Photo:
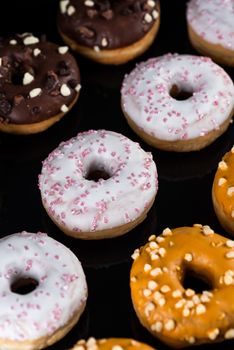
[167,122]
[211,28]
[88,209]
[43,316]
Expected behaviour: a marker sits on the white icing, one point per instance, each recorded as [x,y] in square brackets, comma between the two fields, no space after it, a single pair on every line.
[146,96]
[61,291]
[83,205]
[213,20]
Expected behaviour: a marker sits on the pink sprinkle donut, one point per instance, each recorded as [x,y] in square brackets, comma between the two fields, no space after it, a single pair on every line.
[211,28]
[98,185]
[178,102]
[38,318]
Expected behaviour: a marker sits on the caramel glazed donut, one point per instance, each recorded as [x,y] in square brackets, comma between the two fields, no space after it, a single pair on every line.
[177,102]
[211,28]
[110,344]
[223,192]
[37,318]
[109,31]
[39,83]
[98,185]
[177,315]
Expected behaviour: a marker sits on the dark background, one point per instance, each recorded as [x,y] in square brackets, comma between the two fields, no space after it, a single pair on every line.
[185,180]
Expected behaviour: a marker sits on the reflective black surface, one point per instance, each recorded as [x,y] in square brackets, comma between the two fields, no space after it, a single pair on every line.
[185,180]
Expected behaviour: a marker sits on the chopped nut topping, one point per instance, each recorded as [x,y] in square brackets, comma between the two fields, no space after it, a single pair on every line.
[188,257]
[104,42]
[36,52]
[64,108]
[35,92]
[223,165]
[31,40]
[89,3]
[166,232]
[148,18]
[200,309]
[229,255]
[170,325]
[207,230]
[152,285]
[63,5]
[63,49]
[176,293]
[65,91]
[221,181]
[28,78]
[157,326]
[212,334]
[71,10]
[230,243]
[230,333]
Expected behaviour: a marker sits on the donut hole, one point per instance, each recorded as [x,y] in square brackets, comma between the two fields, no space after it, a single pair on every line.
[96,173]
[197,281]
[180,94]
[24,285]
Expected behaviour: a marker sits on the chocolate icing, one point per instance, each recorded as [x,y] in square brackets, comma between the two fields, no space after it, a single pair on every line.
[107,24]
[46,68]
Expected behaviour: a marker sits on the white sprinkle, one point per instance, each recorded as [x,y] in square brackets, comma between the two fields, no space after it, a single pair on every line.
[186,312]
[161,301]
[230,243]
[165,289]
[64,108]
[91,341]
[156,272]
[176,293]
[136,254]
[229,334]
[148,18]
[207,230]
[63,49]
[200,309]
[153,245]
[221,181]
[162,252]
[65,91]
[228,280]
[30,40]
[212,334]
[223,165]
[160,239]
[188,257]
[133,279]
[149,307]
[151,238]
[13,42]
[167,232]
[71,10]
[147,267]
[63,5]
[154,256]
[157,295]
[116,347]
[28,78]
[0,61]
[155,14]
[104,42]
[147,292]
[78,88]
[152,285]
[189,292]
[230,191]
[180,304]
[170,325]
[229,255]
[35,92]
[151,3]
[36,52]
[96,48]
[89,3]
[157,326]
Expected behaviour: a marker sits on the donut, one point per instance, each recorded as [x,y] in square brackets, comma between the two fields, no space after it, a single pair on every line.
[110,344]
[43,291]
[39,83]
[109,32]
[177,102]
[177,314]
[98,185]
[211,28]
[223,192]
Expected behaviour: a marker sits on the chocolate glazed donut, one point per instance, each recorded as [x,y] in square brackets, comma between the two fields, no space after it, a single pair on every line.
[109,31]
[39,83]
